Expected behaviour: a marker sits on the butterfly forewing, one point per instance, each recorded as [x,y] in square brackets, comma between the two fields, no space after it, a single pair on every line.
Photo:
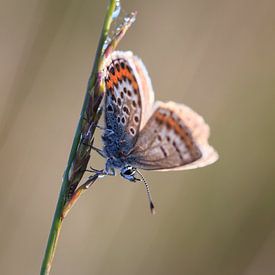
[146,90]
[175,137]
[123,105]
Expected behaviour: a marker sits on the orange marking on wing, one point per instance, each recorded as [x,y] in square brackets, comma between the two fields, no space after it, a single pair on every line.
[126,73]
[175,126]
[134,83]
[171,123]
[123,71]
[114,79]
[118,74]
[109,84]
[181,132]
[159,117]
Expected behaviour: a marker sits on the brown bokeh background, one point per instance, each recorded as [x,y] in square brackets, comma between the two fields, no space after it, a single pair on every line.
[217,57]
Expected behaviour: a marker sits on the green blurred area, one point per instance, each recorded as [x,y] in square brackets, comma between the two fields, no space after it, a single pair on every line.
[215,56]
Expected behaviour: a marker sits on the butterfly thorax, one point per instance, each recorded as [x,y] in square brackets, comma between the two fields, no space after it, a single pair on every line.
[116,148]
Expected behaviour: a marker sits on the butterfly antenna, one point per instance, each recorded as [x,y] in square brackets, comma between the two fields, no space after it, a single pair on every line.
[152,207]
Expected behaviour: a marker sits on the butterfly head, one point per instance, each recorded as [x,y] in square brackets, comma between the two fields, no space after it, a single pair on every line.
[128,172]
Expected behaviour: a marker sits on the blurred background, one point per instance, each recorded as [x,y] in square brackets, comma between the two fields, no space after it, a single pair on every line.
[215,56]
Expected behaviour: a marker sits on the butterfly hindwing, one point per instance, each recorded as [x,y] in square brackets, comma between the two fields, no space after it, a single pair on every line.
[175,137]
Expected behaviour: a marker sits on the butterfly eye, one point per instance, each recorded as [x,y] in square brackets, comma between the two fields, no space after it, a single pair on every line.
[128,173]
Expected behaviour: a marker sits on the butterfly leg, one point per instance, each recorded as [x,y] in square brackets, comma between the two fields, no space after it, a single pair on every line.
[109,172]
[97,174]
[108,131]
[99,151]
[90,181]
[92,124]
[109,169]
[93,170]
[100,127]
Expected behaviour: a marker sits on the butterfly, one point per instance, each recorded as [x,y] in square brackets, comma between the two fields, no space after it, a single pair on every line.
[140,133]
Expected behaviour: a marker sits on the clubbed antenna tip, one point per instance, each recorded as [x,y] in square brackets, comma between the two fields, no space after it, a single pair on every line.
[152,208]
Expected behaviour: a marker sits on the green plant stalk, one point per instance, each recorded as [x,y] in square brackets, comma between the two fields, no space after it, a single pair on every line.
[57,220]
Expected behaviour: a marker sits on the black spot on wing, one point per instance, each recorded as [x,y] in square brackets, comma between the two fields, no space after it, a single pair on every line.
[163,151]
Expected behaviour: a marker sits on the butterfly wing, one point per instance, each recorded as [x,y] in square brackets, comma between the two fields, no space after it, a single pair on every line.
[174,138]
[129,98]
[147,94]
